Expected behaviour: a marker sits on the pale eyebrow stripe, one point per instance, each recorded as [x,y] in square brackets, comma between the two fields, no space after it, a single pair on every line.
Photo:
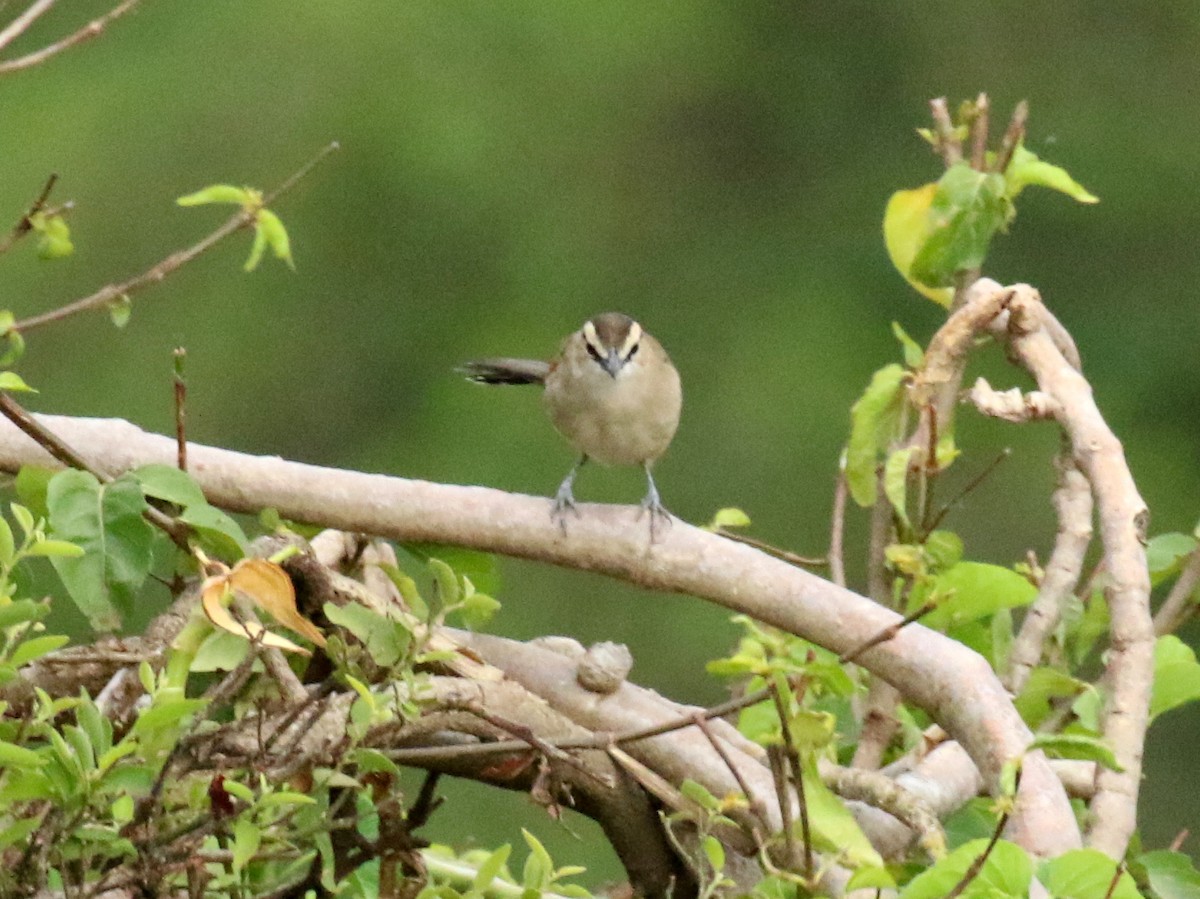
[631,339]
[589,333]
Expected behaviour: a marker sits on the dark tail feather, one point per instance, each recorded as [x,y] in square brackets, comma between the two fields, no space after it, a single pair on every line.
[505,371]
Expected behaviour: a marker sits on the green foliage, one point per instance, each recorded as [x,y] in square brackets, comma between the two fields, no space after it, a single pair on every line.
[105,521]
[1006,873]
[54,236]
[268,227]
[967,210]
[874,423]
[1176,675]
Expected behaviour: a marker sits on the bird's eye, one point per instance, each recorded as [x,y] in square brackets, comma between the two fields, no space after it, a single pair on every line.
[592,351]
[633,351]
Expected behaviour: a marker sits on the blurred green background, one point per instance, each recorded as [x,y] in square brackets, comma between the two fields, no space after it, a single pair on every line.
[718,170]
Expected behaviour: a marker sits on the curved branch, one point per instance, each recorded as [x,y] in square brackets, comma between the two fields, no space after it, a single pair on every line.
[952,683]
[1122,516]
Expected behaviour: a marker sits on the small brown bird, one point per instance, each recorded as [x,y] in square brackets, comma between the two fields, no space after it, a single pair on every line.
[611,391]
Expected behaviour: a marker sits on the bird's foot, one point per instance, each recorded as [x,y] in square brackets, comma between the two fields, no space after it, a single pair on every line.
[564,502]
[658,512]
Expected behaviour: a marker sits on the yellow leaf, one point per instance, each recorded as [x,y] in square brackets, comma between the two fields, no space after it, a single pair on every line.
[271,590]
[905,230]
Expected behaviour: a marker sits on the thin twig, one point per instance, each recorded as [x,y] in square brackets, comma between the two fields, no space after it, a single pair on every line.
[888,632]
[92,29]
[979,133]
[837,531]
[21,23]
[1180,603]
[948,143]
[1116,878]
[976,866]
[789,557]
[1012,137]
[180,409]
[718,746]
[970,488]
[156,273]
[793,757]
[25,223]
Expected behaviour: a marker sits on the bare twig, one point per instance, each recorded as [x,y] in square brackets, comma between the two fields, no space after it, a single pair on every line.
[968,489]
[888,632]
[790,557]
[180,384]
[156,273]
[21,23]
[720,749]
[948,143]
[837,531]
[792,754]
[1180,603]
[977,865]
[1012,137]
[92,29]
[25,223]
[979,133]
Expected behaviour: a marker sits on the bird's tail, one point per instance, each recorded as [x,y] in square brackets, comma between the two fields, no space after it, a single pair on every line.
[506,371]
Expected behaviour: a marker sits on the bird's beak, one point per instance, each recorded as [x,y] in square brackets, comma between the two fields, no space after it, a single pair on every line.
[612,363]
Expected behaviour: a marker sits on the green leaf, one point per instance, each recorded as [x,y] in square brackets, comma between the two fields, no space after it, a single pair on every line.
[1176,675]
[1006,873]
[874,422]
[539,866]
[1085,874]
[106,521]
[906,228]
[32,483]
[478,609]
[1076,746]
[730,517]
[895,481]
[246,840]
[386,640]
[944,548]
[1165,555]
[21,611]
[275,235]
[219,534]
[13,756]
[714,852]
[976,590]
[120,309]
[37,647]
[15,349]
[446,581]
[220,193]
[256,251]
[480,567]
[1172,875]
[54,236]
[13,382]
[220,651]
[490,869]
[870,877]
[700,795]
[1044,685]
[8,545]
[49,548]
[967,211]
[833,827]
[168,483]
[20,831]
[1025,169]
[914,355]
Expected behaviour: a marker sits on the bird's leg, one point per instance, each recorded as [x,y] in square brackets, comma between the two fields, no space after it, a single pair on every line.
[653,504]
[564,499]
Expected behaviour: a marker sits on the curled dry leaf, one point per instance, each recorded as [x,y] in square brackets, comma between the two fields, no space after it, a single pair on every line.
[269,587]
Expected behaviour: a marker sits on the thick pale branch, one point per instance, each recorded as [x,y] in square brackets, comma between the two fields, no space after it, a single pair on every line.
[1122,517]
[955,685]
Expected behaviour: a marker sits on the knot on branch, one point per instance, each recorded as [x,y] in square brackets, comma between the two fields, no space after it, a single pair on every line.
[604,668]
[1012,405]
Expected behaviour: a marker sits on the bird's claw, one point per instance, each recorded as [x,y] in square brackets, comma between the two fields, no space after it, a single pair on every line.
[657,510]
[564,502]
